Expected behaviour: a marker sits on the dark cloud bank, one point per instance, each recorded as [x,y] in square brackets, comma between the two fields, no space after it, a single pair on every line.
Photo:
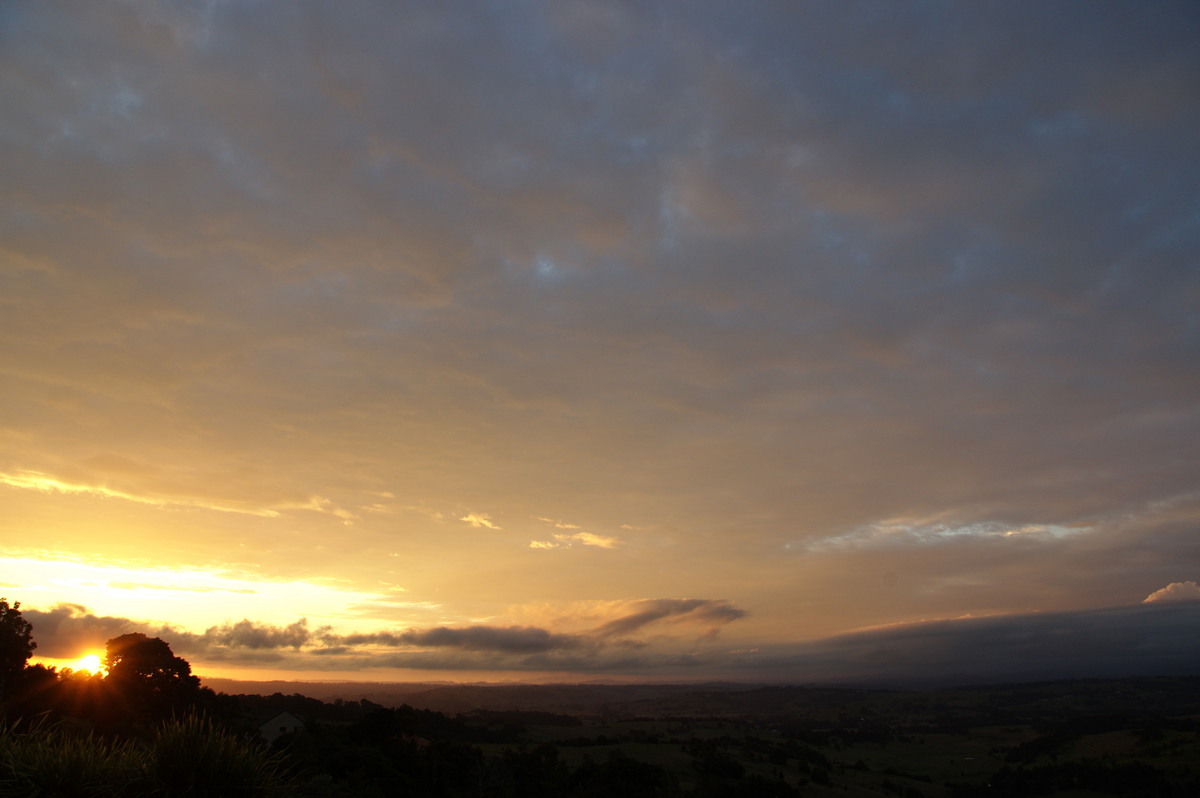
[1120,641]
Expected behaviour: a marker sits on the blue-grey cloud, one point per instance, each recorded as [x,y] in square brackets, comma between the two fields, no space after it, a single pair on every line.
[1149,639]
[509,640]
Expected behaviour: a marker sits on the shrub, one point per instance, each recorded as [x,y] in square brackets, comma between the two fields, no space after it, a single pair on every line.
[47,761]
[192,757]
[187,758]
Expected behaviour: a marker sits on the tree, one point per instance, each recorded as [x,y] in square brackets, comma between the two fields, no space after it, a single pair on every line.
[149,674]
[16,642]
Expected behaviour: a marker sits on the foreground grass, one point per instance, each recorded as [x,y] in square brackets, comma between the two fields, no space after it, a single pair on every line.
[186,757]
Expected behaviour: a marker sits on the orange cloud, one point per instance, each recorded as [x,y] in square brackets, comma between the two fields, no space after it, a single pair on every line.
[1176,591]
[479,520]
[583,538]
[558,524]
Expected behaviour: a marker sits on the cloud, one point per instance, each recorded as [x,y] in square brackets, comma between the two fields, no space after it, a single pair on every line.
[245,641]
[590,539]
[1120,641]
[508,639]
[705,612]
[632,617]
[67,631]
[893,533]
[167,496]
[479,520]
[475,639]
[563,540]
[1158,637]
[1176,591]
[37,481]
[1147,639]
[558,524]
[247,634]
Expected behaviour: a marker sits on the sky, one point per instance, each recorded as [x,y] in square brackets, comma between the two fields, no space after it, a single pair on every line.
[567,341]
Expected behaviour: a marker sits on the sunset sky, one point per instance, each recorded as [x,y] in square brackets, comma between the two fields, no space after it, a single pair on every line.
[600,340]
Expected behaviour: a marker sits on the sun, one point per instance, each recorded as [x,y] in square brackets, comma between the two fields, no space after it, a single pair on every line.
[90,663]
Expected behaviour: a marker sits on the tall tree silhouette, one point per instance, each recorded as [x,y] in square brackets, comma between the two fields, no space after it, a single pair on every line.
[149,675]
[16,643]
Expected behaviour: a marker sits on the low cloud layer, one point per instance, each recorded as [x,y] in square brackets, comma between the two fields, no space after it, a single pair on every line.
[1114,642]
[1146,639]
[506,640]
[70,630]
[247,634]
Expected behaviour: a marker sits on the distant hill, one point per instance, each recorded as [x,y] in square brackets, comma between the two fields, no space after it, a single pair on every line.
[1008,703]
[575,699]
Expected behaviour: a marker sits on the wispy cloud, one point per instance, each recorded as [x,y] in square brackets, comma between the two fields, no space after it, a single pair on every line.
[479,521]
[575,535]
[35,481]
[557,524]
[708,613]
[900,532]
[564,540]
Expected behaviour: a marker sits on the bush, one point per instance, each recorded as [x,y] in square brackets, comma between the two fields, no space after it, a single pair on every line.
[187,758]
[192,757]
[45,761]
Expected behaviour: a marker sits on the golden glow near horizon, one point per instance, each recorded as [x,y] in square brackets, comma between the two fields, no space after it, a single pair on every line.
[188,599]
[92,663]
